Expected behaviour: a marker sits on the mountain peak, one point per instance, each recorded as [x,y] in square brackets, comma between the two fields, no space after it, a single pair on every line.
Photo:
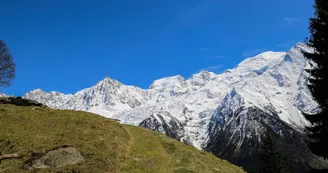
[204,71]
[204,74]
[170,82]
[202,78]
[108,80]
[299,47]
[38,90]
[296,53]
[299,44]
[260,62]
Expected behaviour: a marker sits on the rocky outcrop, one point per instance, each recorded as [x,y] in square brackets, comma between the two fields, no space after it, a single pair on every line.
[55,158]
[165,123]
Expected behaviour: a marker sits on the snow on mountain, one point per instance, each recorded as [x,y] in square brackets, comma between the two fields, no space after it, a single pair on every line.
[226,113]
[169,83]
[165,123]
[106,98]
[237,128]
[273,82]
[52,99]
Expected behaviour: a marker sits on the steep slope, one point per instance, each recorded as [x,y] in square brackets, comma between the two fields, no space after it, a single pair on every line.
[237,129]
[165,123]
[106,145]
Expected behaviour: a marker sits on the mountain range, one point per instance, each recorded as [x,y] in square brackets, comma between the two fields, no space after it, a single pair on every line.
[225,114]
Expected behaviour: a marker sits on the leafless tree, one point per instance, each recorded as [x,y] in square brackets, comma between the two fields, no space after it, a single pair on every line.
[7,66]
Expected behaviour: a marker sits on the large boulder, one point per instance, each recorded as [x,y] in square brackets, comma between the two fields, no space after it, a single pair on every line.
[55,158]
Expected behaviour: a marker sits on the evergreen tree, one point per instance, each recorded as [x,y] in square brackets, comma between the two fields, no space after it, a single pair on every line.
[318,80]
[274,160]
[7,66]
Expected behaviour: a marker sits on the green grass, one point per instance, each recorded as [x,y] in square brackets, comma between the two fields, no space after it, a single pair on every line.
[106,145]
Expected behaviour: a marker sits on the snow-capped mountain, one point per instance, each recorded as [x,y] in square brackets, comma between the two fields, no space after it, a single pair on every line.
[267,88]
[106,98]
[238,127]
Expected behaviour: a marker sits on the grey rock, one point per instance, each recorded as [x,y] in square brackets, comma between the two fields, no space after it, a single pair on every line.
[55,158]
[165,123]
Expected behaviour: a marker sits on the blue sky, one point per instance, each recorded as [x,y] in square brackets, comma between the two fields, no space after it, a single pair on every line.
[68,45]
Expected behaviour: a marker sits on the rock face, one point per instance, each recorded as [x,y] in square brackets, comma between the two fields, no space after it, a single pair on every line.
[221,113]
[55,158]
[165,123]
[235,133]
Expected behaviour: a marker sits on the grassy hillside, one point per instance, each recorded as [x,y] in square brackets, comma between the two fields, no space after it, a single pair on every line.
[106,145]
